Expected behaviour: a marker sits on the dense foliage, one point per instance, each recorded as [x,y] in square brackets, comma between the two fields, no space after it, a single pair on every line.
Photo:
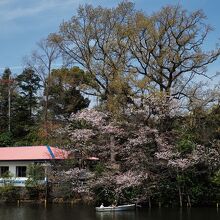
[142,164]
[23,105]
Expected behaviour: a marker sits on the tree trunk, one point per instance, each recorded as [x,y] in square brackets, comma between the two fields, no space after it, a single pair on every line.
[9,106]
[46,110]
[180,197]
[189,201]
[112,149]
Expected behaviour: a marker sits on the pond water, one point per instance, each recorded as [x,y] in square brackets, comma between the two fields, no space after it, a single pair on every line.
[58,212]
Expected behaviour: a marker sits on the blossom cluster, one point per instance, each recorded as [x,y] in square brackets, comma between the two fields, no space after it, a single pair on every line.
[95,118]
[199,155]
[154,105]
[142,136]
[81,134]
[130,178]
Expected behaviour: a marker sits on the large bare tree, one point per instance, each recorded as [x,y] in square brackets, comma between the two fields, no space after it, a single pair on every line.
[168,48]
[130,57]
[94,39]
[42,61]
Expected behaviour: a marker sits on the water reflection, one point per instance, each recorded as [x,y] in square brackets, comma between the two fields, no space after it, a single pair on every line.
[128,215]
[62,212]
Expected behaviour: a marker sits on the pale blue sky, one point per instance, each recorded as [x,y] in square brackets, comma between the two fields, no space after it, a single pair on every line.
[25,22]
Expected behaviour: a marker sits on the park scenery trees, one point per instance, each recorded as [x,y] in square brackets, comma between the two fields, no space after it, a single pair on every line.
[131,94]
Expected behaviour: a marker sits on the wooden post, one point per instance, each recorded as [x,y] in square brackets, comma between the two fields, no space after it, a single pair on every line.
[180,197]
[149,202]
[46,185]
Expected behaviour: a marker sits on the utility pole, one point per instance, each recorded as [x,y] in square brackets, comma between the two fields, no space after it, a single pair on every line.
[9,103]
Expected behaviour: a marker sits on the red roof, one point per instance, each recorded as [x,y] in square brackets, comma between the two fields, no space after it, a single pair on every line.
[32,153]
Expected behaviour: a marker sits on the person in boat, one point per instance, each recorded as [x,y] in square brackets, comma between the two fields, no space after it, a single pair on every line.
[102,206]
[114,204]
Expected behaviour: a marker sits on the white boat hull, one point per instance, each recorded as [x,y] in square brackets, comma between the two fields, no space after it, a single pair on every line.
[117,208]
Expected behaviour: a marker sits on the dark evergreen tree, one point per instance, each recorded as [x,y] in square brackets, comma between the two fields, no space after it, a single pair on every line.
[6,93]
[64,94]
[28,85]
[26,106]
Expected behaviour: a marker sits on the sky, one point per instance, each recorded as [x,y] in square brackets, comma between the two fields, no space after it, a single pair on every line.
[23,23]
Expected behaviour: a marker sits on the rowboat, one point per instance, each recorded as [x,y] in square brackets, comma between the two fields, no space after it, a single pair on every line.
[115,208]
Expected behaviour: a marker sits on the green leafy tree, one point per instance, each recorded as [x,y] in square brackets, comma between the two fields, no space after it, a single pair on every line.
[34,183]
[64,94]
[28,85]
[6,139]
[25,105]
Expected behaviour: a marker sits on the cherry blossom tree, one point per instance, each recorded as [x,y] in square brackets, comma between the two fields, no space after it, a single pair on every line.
[135,158]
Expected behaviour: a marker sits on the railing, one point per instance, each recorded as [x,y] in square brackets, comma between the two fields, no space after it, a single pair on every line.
[17,181]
